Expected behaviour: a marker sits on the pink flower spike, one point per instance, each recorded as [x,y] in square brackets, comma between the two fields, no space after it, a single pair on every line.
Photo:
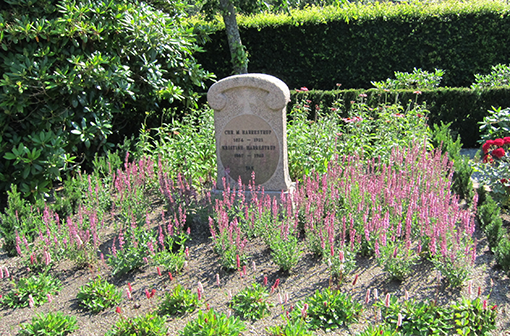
[238,261]
[479,290]
[118,310]
[199,292]
[147,294]
[229,295]
[406,295]
[265,280]
[50,299]
[186,251]
[128,293]
[304,310]
[1,273]
[217,279]
[470,287]
[253,266]
[159,271]
[367,296]
[31,302]
[387,300]
[286,298]
[332,251]
[341,256]
[484,304]
[129,286]
[244,270]
[276,283]
[6,272]
[376,294]
[145,260]
[280,300]
[399,320]
[153,292]
[170,276]
[355,279]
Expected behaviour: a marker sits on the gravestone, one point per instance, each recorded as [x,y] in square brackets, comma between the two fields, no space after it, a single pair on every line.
[250,129]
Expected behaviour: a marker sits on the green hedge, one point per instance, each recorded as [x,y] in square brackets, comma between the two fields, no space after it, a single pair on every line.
[463,107]
[357,44]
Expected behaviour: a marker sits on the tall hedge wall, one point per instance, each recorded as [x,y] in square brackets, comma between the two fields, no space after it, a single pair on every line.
[358,44]
[463,107]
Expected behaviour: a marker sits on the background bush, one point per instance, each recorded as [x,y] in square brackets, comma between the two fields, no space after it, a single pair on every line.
[74,72]
[357,43]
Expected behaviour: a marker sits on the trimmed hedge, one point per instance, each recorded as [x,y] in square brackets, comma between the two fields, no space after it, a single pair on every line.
[463,107]
[356,44]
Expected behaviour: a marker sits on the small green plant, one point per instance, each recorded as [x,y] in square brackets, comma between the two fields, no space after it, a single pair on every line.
[149,324]
[414,318]
[251,302]
[98,294]
[379,330]
[343,264]
[34,288]
[179,301]
[290,328]
[473,317]
[51,324]
[285,252]
[212,323]
[397,261]
[418,79]
[329,309]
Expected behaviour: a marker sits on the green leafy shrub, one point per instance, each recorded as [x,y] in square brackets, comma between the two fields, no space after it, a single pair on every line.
[473,316]
[418,79]
[72,71]
[212,323]
[36,287]
[53,323]
[147,325]
[251,303]
[290,328]
[496,124]
[328,309]
[98,294]
[179,301]
[499,76]
[285,252]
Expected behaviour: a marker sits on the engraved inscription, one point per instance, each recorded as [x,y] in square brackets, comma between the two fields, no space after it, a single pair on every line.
[249,144]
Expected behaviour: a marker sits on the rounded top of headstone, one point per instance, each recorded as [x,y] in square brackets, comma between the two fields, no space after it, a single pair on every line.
[278,91]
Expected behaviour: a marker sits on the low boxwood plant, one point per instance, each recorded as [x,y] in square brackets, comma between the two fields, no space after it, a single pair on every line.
[213,323]
[53,323]
[251,303]
[328,309]
[99,294]
[37,286]
[179,301]
[149,324]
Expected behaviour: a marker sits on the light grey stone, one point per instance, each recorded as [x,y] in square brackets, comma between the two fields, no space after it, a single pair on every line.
[250,129]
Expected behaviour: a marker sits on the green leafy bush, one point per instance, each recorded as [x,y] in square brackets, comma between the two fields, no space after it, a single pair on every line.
[53,323]
[212,323]
[496,124]
[73,70]
[179,301]
[147,325]
[328,309]
[251,302]
[499,76]
[35,288]
[418,79]
[98,294]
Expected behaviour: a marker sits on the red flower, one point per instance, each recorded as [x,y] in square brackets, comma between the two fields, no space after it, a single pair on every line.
[504,180]
[487,145]
[498,152]
[499,142]
[118,310]
[507,140]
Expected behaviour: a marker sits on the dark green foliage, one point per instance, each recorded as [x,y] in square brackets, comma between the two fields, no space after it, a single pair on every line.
[462,170]
[51,324]
[357,44]
[490,221]
[73,73]
[502,253]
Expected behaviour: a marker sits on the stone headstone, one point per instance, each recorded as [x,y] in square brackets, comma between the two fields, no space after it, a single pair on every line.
[250,129]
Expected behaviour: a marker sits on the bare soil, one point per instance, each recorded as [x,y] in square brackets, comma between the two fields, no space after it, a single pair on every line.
[307,277]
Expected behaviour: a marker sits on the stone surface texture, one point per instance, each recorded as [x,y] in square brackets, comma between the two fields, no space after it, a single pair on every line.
[250,130]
